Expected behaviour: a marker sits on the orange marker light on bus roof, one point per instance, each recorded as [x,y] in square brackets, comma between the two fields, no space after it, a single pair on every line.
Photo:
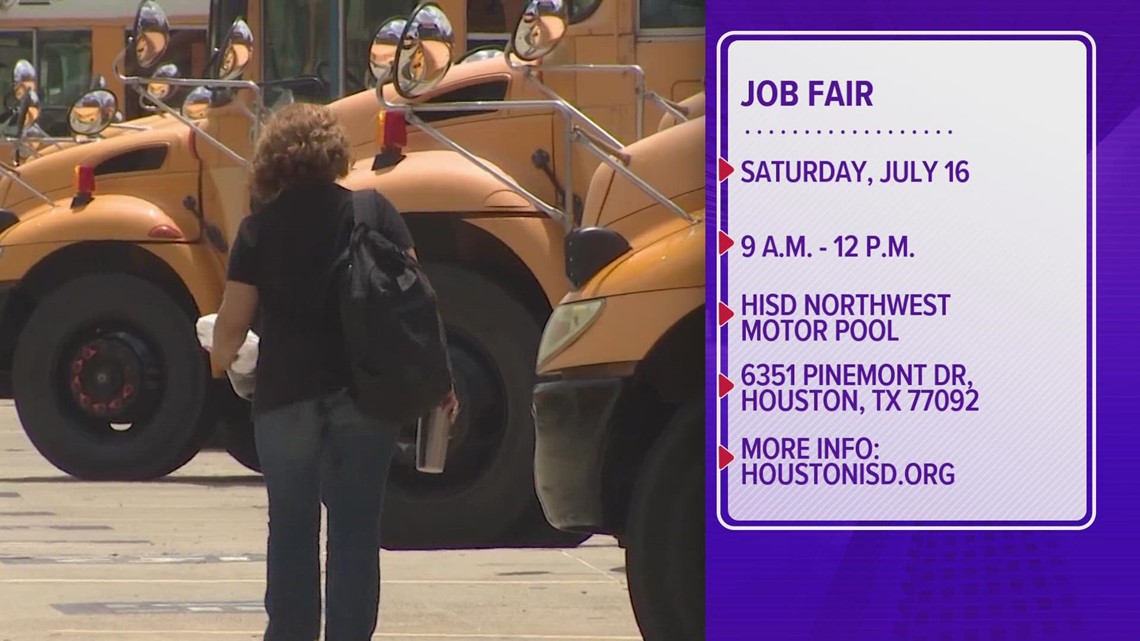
[391,130]
[380,131]
[84,185]
[85,179]
[391,137]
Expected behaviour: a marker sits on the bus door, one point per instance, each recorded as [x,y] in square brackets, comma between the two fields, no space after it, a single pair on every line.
[670,42]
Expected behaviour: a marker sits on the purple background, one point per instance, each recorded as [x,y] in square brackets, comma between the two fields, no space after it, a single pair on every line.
[726,226]
[939,586]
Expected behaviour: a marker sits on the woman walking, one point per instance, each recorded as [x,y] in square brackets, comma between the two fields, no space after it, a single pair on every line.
[313,443]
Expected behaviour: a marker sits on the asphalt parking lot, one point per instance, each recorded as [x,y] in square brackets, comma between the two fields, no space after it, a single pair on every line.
[181,559]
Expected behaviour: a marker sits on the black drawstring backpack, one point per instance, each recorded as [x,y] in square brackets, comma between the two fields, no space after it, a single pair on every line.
[394,335]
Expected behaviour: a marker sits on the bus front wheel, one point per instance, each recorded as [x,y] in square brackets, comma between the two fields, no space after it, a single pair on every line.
[109,380]
[665,533]
[488,481]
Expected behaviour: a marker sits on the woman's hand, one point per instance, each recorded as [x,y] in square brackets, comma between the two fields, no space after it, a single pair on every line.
[217,367]
[235,315]
[450,404]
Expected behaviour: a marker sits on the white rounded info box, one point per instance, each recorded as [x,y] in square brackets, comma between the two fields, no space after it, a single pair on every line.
[912,280]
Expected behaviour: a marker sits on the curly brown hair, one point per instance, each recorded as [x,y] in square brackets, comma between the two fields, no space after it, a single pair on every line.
[301,144]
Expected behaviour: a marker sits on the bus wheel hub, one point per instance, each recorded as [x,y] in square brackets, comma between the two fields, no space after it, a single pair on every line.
[106,375]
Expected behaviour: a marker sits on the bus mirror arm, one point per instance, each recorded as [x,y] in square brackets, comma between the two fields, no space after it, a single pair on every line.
[199,131]
[128,127]
[678,111]
[595,139]
[498,174]
[576,116]
[570,116]
[612,150]
[639,91]
[14,174]
[24,145]
[139,83]
[554,102]
[607,156]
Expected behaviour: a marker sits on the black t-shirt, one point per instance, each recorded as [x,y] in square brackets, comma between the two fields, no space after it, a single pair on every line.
[286,250]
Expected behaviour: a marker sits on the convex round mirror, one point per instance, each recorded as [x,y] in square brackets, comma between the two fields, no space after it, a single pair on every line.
[237,51]
[24,79]
[197,103]
[539,30]
[382,51]
[424,54]
[27,113]
[93,112]
[158,90]
[151,34]
[481,53]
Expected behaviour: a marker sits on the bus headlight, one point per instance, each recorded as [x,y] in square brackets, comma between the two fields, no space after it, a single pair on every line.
[565,325]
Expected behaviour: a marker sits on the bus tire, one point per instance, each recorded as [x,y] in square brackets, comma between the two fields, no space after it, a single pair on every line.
[237,434]
[665,533]
[233,421]
[106,351]
[488,480]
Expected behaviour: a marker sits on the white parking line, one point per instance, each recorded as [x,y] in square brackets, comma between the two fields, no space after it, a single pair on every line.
[593,567]
[383,581]
[382,635]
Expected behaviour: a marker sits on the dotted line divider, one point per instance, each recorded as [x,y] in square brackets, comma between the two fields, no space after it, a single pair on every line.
[847,132]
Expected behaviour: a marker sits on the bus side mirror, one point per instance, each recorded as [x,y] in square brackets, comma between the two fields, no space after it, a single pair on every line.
[162,90]
[197,103]
[237,52]
[382,51]
[27,111]
[151,35]
[424,53]
[24,79]
[93,112]
[539,30]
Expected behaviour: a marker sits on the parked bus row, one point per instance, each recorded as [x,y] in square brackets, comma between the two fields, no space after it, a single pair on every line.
[563,232]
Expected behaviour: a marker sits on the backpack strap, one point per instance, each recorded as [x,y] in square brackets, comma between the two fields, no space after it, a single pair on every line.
[364,212]
[364,209]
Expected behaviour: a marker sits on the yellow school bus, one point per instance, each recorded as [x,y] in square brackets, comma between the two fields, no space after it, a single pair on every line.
[159,209]
[619,403]
[71,41]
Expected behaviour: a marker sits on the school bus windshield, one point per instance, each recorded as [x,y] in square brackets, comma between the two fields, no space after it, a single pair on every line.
[301,39]
[300,36]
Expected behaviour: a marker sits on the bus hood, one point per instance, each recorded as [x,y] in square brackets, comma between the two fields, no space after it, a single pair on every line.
[357,112]
[674,260]
[111,133]
[620,219]
[671,161]
[53,175]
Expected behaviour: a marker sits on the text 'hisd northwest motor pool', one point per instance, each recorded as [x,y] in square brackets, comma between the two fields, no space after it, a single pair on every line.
[904,280]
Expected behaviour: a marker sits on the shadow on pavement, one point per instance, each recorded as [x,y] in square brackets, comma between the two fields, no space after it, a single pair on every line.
[244,480]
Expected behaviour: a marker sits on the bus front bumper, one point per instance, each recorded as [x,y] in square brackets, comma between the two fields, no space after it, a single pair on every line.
[571,419]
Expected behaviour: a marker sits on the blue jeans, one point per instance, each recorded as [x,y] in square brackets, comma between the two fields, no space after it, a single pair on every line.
[323,450]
